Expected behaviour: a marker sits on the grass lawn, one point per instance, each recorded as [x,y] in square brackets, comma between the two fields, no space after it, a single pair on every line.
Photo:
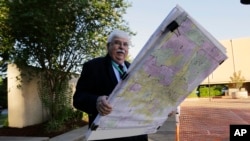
[192,95]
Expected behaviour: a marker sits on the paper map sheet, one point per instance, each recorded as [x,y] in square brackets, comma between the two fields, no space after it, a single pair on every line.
[176,59]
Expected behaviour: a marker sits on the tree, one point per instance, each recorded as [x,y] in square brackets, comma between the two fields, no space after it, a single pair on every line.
[6,41]
[59,36]
[6,44]
[237,80]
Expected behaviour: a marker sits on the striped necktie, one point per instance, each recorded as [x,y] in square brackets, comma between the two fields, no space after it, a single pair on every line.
[122,73]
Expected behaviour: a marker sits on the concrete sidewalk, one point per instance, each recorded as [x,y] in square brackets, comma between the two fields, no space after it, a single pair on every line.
[165,133]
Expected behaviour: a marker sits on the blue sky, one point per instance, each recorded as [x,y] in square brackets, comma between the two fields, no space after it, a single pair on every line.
[224,19]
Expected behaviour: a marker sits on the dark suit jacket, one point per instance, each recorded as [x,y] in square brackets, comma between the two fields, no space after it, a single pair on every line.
[97,79]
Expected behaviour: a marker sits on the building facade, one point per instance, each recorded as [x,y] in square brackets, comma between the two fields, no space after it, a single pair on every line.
[238,52]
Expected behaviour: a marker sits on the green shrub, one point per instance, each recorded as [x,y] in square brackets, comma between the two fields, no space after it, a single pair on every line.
[54,125]
[210,91]
[207,91]
[85,116]
[6,123]
[192,94]
[3,92]
[4,120]
[66,115]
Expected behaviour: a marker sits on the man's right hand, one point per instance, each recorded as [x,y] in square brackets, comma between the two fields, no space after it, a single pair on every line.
[103,106]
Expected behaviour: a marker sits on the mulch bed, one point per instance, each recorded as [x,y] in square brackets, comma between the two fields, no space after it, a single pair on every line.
[39,130]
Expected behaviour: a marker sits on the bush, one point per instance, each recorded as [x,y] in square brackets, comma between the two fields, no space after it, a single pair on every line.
[67,115]
[3,120]
[3,92]
[215,90]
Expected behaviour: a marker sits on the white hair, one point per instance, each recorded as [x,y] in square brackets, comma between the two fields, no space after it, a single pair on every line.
[118,33]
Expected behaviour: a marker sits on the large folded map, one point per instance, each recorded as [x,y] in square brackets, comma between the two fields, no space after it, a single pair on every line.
[179,55]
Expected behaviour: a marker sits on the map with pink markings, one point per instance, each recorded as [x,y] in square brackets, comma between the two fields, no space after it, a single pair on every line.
[177,58]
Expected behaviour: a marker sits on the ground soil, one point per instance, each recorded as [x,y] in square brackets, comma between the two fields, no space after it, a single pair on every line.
[39,130]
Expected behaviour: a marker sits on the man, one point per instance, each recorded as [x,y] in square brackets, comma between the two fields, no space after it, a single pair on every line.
[100,76]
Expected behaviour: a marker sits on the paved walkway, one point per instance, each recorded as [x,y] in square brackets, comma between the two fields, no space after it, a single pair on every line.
[167,131]
[210,119]
[200,120]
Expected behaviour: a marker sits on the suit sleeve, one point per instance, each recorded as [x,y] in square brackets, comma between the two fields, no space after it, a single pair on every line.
[83,98]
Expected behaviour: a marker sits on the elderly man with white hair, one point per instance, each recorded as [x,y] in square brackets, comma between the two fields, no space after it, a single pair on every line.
[100,76]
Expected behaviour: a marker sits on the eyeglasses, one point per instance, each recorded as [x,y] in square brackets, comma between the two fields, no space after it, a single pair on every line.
[120,43]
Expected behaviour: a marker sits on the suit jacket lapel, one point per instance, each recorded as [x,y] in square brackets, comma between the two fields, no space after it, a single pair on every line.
[111,71]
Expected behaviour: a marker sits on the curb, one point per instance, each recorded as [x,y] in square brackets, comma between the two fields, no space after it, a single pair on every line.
[74,135]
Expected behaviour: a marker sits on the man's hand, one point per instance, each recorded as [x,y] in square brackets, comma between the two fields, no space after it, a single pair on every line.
[102,105]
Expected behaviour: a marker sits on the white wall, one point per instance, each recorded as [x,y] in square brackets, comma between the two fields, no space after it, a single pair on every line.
[24,105]
[238,52]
